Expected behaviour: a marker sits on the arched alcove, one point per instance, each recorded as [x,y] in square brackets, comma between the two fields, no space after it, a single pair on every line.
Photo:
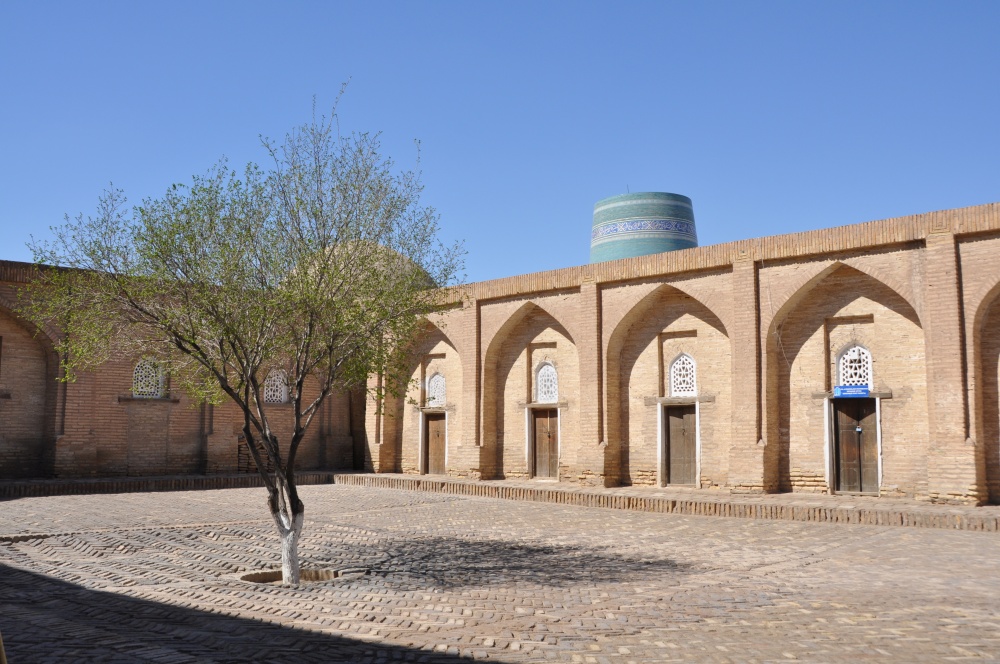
[434,383]
[838,309]
[987,344]
[530,339]
[28,393]
[664,326]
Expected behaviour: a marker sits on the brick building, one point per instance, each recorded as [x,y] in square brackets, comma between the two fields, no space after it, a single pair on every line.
[725,367]
[124,420]
[863,358]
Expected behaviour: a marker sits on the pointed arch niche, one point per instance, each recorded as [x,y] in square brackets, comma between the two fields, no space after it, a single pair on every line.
[29,393]
[516,382]
[982,311]
[987,340]
[843,327]
[434,389]
[669,339]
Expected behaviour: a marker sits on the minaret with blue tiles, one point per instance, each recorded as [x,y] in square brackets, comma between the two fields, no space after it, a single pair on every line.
[638,224]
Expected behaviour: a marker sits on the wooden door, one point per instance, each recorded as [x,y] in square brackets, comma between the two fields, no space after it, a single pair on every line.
[434,442]
[546,442]
[680,453]
[856,445]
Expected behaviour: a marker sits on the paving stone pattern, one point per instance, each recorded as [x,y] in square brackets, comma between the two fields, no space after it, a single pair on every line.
[152,578]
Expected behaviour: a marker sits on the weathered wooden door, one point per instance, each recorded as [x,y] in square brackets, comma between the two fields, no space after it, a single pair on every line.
[680,449]
[856,445]
[546,442]
[435,443]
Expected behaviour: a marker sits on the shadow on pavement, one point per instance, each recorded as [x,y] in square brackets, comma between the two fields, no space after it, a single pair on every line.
[450,562]
[46,620]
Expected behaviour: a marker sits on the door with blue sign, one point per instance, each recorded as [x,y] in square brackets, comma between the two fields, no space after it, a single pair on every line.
[856,445]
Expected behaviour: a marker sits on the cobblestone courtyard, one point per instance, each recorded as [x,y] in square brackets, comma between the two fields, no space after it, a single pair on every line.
[152,578]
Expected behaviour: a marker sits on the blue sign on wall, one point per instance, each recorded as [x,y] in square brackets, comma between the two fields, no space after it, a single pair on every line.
[850,391]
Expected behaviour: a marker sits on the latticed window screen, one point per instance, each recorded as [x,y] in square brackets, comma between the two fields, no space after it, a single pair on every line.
[856,367]
[276,387]
[682,377]
[547,384]
[435,391]
[147,380]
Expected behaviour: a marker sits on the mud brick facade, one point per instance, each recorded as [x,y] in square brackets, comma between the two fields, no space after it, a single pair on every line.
[771,326]
[96,427]
[752,340]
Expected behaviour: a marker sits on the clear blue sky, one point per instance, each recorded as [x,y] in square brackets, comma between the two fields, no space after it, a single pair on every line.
[773,117]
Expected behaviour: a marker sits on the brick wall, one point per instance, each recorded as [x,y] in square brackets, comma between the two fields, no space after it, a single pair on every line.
[27,445]
[764,318]
[980,290]
[989,374]
[848,307]
[93,427]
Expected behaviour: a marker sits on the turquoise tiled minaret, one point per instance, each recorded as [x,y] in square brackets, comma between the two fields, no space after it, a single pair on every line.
[643,223]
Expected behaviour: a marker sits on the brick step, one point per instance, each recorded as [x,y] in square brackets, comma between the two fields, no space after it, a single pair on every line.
[38,488]
[781,507]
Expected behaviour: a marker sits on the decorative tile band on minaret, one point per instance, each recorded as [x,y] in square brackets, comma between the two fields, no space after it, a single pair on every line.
[638,224]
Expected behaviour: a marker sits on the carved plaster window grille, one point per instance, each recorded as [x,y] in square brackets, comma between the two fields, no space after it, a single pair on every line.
[147,380]
[682,377]
[436,391]
[276,387]
[855,366]
[546,384]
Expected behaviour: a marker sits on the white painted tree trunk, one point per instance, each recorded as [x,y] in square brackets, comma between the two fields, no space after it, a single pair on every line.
[289,514]
[290,551]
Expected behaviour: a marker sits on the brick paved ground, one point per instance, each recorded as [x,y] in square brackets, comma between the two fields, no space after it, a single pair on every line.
[149,578]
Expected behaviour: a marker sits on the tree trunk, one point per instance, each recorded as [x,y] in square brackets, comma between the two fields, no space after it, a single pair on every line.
[288,513]
[290,551]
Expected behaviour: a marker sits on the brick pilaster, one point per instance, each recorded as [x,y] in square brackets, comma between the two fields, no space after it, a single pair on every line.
[746,451]
[953,474]
[379,457]
[591,467]
[464,457]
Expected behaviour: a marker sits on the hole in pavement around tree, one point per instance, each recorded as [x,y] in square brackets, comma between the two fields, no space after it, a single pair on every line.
[306,575]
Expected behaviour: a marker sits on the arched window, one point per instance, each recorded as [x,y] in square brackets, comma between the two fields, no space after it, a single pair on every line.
[855,366]
[436,391]
[682,377]
[276,387]
[147,380]
[546,384]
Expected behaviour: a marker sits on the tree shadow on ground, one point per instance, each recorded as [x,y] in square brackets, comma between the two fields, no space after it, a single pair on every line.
[46,620]
[450,562]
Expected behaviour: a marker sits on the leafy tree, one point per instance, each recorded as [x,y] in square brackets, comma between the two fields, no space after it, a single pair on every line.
[321,266]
